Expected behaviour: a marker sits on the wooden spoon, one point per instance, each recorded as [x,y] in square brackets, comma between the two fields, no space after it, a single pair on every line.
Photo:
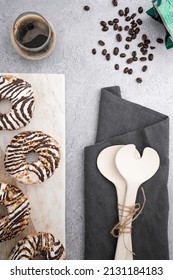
[107,167]
[135,172]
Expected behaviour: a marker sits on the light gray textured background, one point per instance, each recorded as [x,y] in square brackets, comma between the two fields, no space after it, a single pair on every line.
[77,33]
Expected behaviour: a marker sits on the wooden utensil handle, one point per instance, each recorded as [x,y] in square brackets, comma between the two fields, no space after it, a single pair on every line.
[124,244]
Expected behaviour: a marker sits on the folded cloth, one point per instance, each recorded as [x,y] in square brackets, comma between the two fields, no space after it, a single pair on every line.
[122,122]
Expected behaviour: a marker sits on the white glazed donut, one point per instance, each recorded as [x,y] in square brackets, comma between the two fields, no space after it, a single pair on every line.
[25,143]
[21,96]
[18,210]
[40,244]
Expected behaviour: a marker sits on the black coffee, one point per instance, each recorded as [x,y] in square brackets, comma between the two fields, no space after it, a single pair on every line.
[32,32]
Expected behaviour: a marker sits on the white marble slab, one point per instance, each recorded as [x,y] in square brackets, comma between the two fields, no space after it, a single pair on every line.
[47,199]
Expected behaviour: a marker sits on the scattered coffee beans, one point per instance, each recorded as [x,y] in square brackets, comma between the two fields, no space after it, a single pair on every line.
[152,48]
[115,2]
[128,18]
[104,52]
[135,58]
[110,22]
[116,20]
[133,15]
[120,28]
[130,71]
[103,23]
[108,56]
[160,40]
[134,53]
[115,26]
[121,13]
[101,43]
[128,39]
[122,55]
[129,60]
[106,28]
[127,46]
[150,57]
[126,11]
[140,10]
[139,80]
[117,67]
[126,70]
[94,51]
[144,68]
[119,37]
[86,8]
[116,51]
[143,58]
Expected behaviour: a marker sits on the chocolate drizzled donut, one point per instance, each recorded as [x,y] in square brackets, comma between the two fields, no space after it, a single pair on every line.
[21,96]
[25,143]
[42,244]
[18,209]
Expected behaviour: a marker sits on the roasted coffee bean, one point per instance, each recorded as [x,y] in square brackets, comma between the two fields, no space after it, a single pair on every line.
[143,58]
[115,26]
[133,36]
[116,51]
[110,22]
[144,52]
[129,60]
[137,30]
[104,52]
[108,56]
[101,43]
[126,11]
[134,53]
[142,49]
[134,25]
[133,15]
[117,67]
[127,46]
[139,80]
[140,10]
[94,51]
[145,46]
[115,2]
[116,20]
[131,31]
[147,41]
[120,28]
[139,21]
[122,55]
[128,18]
[144,37]
[150,57]
[128,39]
[144,68]
[140,45]
[119,37]
[86,8]
[132,22]
[130,71]
[152,48]
[135,58]
[126,70]
[103,23]
[121,13]
[106,28]
[126,28]
[160,40]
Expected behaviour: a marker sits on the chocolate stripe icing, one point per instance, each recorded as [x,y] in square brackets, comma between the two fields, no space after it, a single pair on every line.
[18,209]
[21,96]
[25,143]
[43,244]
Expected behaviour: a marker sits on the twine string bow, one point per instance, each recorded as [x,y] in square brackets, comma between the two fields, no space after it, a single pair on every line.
[129,213]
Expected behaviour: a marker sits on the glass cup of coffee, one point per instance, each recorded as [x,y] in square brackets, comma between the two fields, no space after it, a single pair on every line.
[33,36]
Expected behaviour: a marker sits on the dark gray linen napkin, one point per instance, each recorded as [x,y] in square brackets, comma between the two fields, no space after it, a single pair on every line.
[122,122]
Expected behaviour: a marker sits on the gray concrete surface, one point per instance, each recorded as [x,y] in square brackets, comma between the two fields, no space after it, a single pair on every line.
[77,33]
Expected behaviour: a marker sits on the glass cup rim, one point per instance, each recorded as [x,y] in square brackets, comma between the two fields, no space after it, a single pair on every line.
[26,48]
